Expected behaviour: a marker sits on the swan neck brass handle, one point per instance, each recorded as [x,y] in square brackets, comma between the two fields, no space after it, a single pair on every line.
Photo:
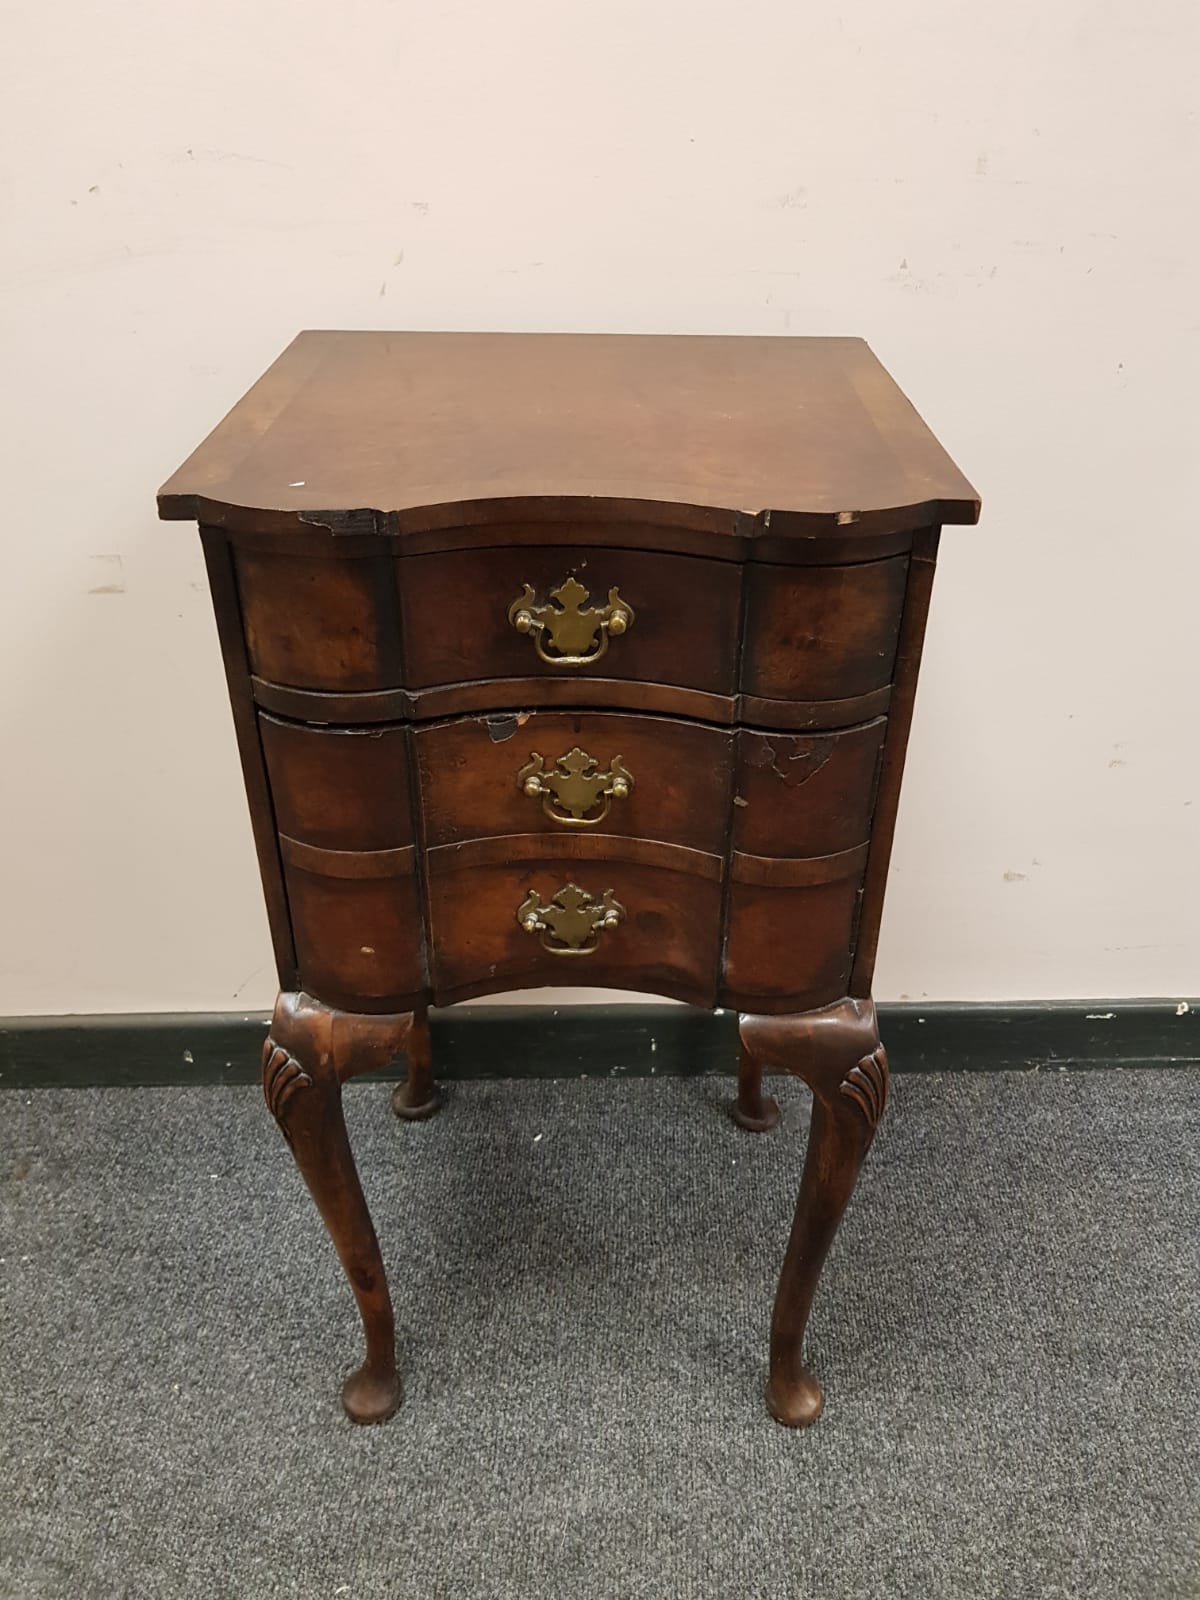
[572,920]
[574,790]
[566,631]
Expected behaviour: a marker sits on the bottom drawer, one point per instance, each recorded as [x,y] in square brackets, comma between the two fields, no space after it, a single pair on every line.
[523,911]
[356,922]
[791,928]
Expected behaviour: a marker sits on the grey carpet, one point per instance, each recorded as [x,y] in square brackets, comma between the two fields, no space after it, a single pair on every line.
[583,1272]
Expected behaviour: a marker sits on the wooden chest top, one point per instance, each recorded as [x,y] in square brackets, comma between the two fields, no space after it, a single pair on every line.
[403,432]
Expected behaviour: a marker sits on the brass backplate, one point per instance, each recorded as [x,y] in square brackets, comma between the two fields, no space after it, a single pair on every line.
[575,790]
[566,631]
[572,920]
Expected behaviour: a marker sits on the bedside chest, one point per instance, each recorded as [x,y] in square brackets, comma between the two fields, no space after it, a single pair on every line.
[562,659]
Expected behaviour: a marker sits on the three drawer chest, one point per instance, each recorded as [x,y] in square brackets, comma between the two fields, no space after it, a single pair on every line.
[572,659]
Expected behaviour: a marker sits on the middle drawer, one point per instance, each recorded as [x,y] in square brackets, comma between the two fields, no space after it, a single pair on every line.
[644,777]
[581,772]
[568,773]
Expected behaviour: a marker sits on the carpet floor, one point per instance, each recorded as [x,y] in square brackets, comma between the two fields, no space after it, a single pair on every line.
[1008,1329]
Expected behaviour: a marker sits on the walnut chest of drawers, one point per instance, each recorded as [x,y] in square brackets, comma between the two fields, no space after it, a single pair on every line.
[563,659]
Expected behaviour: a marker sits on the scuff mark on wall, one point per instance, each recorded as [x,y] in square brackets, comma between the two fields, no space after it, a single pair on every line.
[113,572]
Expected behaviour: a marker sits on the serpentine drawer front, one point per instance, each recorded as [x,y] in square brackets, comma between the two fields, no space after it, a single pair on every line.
[572,660]
[475,629]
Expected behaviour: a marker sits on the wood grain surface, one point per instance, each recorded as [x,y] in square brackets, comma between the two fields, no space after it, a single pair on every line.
[422,427]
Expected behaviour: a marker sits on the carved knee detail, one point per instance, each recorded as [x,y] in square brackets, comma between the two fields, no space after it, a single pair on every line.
[818,1045]
[282,1079]
[866,1085]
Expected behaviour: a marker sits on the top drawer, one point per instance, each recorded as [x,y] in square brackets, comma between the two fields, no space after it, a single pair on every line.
[566,611]
[351,623]
[529,625]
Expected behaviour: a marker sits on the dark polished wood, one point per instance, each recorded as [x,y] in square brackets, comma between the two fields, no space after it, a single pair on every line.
[680,777]
[822,633]
[563,660]
[341,788]
[222,583]
[357,924]
[309,1053]
[813,634]
[694,606]
[518,694]
[789,936]
[437,429]
[908,661]
[838,1054]
[671,898]
[418,1097]
[805,794]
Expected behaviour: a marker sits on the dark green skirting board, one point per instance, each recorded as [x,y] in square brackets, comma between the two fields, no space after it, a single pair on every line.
[566,1041]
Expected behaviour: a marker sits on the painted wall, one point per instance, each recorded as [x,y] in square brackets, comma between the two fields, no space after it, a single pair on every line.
[1001,199]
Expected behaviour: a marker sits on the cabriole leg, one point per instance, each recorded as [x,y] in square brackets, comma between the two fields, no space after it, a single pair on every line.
[418,1096]
[310,1053]
[838,1054]
[752,1110]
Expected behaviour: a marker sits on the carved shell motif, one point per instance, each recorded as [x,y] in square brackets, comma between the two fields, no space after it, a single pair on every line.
[282,1077]
[867,1085]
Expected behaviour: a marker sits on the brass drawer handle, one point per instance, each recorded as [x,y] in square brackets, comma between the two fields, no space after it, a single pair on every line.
[574,786]
[572,921]
[571,633]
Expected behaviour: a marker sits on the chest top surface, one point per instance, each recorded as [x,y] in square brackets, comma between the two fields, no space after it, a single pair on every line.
[415,427]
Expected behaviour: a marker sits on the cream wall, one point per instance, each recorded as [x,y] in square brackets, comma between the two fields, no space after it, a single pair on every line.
[1002,199]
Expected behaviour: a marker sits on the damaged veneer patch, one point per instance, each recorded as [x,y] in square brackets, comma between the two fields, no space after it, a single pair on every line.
[500,728]
[793,761]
